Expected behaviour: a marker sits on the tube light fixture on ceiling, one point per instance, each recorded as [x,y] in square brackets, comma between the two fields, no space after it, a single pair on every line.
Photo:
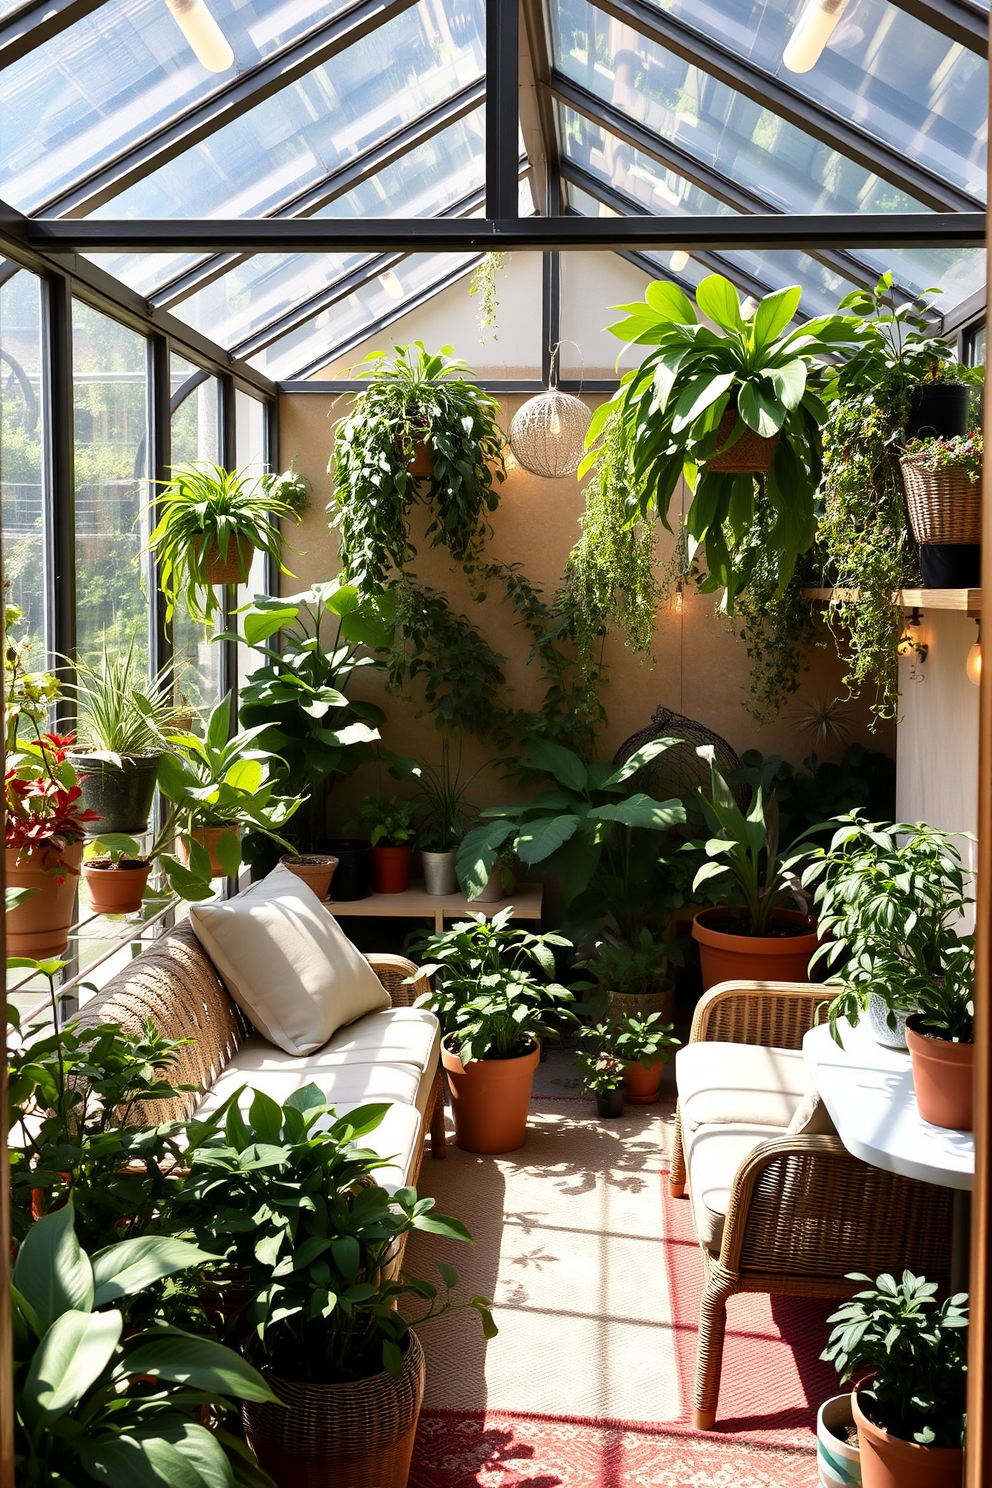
[391,284]
[811,33]
[678,261]
[210,45]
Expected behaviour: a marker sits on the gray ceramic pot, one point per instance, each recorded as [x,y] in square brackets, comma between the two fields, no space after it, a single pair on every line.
[439,872]
[878,1013]
[121,795]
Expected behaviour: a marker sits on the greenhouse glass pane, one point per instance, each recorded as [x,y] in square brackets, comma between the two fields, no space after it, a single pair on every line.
[898,79]
[720,128]
[959,272]
[299,136]
[126,69]
[348,320]
[196,435]
[250,444]
[110,423]
[22,454]
[146,272]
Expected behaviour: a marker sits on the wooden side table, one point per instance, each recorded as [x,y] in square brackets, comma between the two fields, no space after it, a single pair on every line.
[416,904]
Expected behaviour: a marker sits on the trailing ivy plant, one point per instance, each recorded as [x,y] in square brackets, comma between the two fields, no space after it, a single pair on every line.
[483,284]
[414,397]
[777,627]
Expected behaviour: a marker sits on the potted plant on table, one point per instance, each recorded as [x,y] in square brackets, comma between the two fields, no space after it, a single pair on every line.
[315,1289]
[445,820]
[495,1002]
[907,1356]
[393,832]
[210,523]
[754,936]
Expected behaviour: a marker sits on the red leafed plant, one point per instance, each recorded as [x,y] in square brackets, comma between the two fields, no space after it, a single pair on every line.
[44,803]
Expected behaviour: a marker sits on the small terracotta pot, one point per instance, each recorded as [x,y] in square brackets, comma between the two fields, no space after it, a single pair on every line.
[315,869]
[116,890]
[751,454]
[422,464]
[889,1462]
[942,1077]
[40,926]
[391,869]
[490,1100]
[230,570]
[643,1086]
[209,837]
[724,957]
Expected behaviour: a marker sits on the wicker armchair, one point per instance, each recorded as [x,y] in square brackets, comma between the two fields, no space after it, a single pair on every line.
[803,1212]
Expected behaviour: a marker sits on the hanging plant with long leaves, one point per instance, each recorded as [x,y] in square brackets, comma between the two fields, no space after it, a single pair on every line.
[414,398]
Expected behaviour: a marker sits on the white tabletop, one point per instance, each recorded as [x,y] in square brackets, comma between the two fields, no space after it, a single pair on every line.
[868,1090]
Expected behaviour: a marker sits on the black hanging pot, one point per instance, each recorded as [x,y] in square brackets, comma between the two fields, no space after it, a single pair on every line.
[609,1103]
[951,565]
[938,410]
[121,794]
[353,875]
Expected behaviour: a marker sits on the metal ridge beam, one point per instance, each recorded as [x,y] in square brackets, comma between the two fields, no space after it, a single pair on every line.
[242,93]
[855,143]
[446,235]
[502,106]
[37,22]
[337,184]
[966,24]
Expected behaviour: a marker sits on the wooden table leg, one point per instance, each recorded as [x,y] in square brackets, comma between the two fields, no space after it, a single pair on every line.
[960,1239]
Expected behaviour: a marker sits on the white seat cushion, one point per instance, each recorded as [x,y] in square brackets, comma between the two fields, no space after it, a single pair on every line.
[398,1035]
[723,1082]
[287,963]
[713,1155]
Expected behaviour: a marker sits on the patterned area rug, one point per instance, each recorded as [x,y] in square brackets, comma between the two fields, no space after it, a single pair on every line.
[596,1277]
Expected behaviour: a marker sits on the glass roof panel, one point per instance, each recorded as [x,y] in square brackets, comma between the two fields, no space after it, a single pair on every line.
[299,136]
[386,295]
[897,78]
[146,272]
[722,129]
[98,86]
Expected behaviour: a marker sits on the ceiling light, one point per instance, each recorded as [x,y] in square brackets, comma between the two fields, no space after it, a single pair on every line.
[210,45]
[812,31]
[391,285]
[678,261]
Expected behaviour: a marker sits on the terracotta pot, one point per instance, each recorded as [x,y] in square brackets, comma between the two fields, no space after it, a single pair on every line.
[640,1004]
[751,454]
[643,1086]
[40,926]
[209,837]
[422,464]
[942,1077]
[838,1463]
[724,957]
[490,1099]
[357,1435]
[230,570]
[391,869]
[889,1462]
[315,869]
[116,890]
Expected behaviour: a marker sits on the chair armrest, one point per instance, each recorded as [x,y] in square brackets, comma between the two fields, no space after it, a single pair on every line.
[392,972]
[775,1014]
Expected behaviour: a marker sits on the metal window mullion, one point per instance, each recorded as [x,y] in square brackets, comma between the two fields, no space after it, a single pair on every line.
[967,25]
[158,473]
[61,483]
[271,578]
[31,25]
[502,108]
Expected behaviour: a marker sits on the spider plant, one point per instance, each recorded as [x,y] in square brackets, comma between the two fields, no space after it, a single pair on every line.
[204,509]
[122,714]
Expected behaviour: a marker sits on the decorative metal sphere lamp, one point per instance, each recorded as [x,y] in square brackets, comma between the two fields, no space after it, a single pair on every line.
[547,435]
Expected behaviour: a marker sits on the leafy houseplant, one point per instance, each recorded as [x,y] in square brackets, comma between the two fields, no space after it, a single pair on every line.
[416,403]
[28,695]
[97,1404]
[494,999]
[631,977]
[753,935]
[290,488]
[601,1071]
[445,818]
[731,410]
[644,1043]
[393,831]
[211,522]
[906,1355]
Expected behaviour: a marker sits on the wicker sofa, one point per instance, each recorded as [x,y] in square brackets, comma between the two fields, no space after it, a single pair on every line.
[779,1204]
[390,1055]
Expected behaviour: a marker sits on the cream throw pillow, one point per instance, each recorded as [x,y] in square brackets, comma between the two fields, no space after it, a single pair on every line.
[287,963]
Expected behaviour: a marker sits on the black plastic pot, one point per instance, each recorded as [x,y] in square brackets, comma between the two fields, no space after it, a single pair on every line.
[121,795]
[951,565]
[353,875]
[938,410]
[609,1103]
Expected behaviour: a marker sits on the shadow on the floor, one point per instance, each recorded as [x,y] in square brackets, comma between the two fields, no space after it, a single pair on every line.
[802,1324]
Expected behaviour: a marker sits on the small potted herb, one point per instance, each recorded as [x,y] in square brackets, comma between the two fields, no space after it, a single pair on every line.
[644,1043]
[391,820]
[602,1071]
[906,1355]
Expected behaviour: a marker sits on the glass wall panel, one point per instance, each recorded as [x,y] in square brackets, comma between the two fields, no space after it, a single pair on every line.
[111,423]
[196,435]
[251,444]
[22,453]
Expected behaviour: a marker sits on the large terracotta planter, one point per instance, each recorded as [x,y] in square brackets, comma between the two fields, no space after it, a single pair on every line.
[315,869]
[942,1077]
[889,1462]
[838,1463]
[490,1099]
[725,957]
[234,568]
[643,1086]
[40,926]
[116,889]
[208,837]
[357,1435]
[391,869]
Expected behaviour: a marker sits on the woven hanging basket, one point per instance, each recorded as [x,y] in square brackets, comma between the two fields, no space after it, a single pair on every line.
[680,769]
[548,434]
[230,570]
[944,505]
[751,454]
[357,1435]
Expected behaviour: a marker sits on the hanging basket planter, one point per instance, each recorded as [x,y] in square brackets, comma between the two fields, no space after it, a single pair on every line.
[231,570]
[548,434]
[751,454]
[944,505]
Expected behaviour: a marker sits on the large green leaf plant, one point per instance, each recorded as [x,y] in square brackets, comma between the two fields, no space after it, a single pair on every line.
[667,413]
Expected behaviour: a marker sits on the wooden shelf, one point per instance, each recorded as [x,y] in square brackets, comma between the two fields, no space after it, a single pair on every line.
[416,903]
[964,601]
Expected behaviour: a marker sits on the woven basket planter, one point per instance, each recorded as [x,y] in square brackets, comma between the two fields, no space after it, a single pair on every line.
[640,1004]
[944,505]
[752,454]
[231,570]
[357,1435]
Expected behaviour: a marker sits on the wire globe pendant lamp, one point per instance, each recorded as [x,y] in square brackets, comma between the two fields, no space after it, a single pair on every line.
[548,433]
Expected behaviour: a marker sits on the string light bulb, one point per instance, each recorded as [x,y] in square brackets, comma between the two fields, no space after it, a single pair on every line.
[973,666]
[210,46]
[811,33]
[678,261]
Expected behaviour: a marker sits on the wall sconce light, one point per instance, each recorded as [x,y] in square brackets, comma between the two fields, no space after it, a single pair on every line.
[812,31]
[210,46]
[908,643]
[973,666]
